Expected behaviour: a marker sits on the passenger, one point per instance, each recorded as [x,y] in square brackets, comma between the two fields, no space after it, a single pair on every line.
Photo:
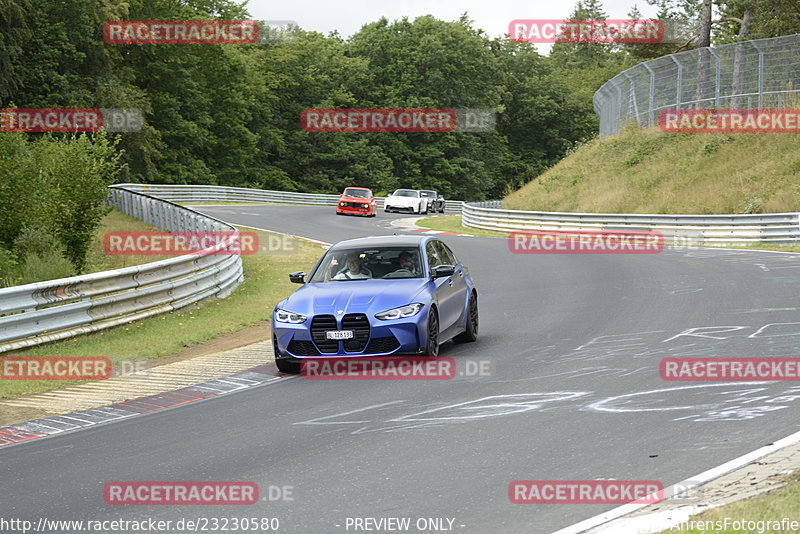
[355,269]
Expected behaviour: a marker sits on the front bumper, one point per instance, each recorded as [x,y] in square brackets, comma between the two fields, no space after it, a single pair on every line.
[410,209]
[351,210]
[386,338]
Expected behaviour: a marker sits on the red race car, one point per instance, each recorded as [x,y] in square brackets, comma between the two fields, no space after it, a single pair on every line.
[357,201]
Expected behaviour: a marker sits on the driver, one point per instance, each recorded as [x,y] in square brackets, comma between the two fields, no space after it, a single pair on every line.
[355,269]
[407,262]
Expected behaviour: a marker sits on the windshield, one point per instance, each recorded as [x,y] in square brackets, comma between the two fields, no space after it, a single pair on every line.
[428,194]
[357,193]
[368,264]
[405,193]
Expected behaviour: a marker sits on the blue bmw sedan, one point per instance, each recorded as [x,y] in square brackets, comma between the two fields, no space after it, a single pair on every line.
[376,296]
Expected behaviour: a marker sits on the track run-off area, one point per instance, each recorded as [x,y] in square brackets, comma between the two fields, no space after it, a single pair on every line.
[569,346]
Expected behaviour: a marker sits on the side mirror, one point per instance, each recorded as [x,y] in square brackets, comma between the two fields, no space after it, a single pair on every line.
[298,277]
[443,270]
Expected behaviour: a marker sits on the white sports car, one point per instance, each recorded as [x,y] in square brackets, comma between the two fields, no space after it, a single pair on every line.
[409,200]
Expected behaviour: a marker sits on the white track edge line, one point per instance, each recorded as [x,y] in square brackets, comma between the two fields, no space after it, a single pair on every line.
[703,477]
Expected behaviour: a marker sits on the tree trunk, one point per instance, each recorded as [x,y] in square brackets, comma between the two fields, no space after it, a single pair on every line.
[704,56]
[739,59]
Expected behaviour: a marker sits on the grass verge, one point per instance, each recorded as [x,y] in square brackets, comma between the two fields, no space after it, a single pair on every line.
[265,283]
[98,260]
[650,171]
[773,506]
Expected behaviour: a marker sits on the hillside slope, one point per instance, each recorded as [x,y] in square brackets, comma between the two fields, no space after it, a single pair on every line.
[649,171]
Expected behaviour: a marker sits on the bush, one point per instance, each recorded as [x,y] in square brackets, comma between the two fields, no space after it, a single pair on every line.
[37,267]
[8,267]
[37,240]
[78,173]
[19,187]
[753,205]
[53,192]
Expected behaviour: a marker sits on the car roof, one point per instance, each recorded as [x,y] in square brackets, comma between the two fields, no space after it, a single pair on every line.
[384,241]
[364,188]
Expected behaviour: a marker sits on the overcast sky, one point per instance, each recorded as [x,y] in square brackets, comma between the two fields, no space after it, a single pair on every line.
[492,16]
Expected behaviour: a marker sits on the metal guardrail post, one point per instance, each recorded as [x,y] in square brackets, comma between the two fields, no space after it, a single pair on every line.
[651,94]
[760,73]
[718,77]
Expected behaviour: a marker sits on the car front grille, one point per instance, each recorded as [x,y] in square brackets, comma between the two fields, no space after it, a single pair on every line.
[382,344]
[300,347]
[359,324]
[353,205]
[321,324]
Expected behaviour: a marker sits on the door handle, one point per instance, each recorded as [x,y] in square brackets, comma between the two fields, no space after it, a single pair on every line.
[450,282]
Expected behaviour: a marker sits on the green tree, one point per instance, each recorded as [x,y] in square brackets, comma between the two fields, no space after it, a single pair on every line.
[76,173]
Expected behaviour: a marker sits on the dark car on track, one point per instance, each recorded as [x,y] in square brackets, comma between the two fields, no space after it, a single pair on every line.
[376,296]
[436,203]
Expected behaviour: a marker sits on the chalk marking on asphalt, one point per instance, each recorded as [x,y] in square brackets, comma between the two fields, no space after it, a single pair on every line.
[357,410]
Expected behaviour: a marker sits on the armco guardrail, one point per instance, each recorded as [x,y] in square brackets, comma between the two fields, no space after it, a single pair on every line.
[720,230]
[218,193]
[57,309]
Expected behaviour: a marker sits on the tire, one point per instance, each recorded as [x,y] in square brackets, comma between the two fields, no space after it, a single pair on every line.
[471,333]
[441,210]
[285,365]
[432,348]
[289,366]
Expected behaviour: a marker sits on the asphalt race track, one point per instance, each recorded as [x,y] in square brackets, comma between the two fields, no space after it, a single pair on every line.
[573,344]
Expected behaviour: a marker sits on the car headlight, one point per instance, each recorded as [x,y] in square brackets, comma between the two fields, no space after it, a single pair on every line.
[341,203]
[399,313]
[283,316]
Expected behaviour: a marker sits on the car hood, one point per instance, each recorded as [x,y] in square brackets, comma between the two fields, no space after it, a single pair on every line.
[353,199]
[356,296]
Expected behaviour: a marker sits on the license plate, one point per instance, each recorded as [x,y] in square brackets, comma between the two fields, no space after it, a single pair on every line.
[339,334]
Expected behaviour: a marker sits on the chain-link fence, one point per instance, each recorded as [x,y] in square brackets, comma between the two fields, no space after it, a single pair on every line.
[758,74]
